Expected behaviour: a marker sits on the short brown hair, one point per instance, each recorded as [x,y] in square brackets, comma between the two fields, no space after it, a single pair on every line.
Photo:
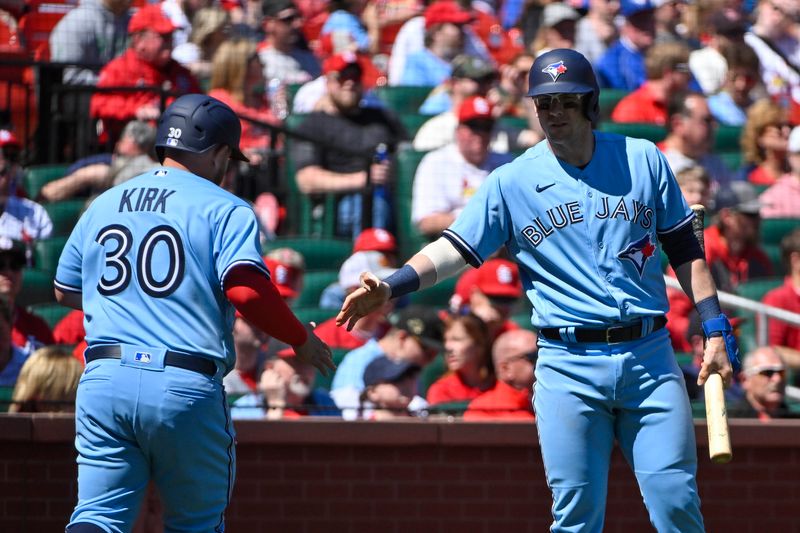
[664,57]
[790,244]
[693,173]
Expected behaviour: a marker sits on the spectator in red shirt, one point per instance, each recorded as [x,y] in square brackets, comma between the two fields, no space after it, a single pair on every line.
[146,63]
[781,335]
[667,71]
[466,347]
[514,355]
[765,142]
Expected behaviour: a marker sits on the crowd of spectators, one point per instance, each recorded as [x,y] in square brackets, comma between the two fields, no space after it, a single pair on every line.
[322,69]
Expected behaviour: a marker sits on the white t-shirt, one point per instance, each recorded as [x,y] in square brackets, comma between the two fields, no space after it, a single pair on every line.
[709,68]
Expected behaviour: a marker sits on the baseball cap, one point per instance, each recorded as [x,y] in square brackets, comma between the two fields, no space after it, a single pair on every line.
[422,322]
[367,261]
[444,12]
[471,67]
[287,256]
[271,8]
[557,12]
[7,138]
[740,196]
[286,278]
[499,278]
[14,248]
[628,8]
[370,75]
[475,108]
[375,239]
[723,24]
[794,140]
[384,370]
[151,17]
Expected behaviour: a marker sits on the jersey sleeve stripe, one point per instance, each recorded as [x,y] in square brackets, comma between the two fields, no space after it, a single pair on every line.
[467,252]
[66,288]
[677,226]
[261,266]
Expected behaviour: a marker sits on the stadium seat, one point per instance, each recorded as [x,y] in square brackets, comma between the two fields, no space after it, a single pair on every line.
[37,287]
[756,289]
[773,251]
[6,393]
[775,229]
[65,215]
[651,132]
[47,252]
[733,160]
[37,176]
[320,254]
[313,285]
[403,99]
[609,98]
[324,382]
[409,239]
[314,314]
[430,373]
[449,408]
[52,313]
[413,122]
[436,296]
[519,123]
[726,139]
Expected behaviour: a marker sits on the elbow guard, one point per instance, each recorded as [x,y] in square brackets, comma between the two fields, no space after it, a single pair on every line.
[681,246]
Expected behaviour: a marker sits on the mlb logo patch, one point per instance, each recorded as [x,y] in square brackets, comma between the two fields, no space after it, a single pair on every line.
[161,173]
[141,357]
[172,142]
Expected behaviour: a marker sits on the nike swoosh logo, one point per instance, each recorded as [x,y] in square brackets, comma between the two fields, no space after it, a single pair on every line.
[542,188]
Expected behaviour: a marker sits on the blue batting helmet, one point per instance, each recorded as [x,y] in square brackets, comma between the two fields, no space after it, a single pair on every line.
[565,71]
[197,122]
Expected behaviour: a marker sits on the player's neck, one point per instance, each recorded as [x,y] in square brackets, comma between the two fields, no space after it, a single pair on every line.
[576,152]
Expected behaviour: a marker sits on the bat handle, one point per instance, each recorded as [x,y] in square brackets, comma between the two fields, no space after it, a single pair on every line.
[719,441]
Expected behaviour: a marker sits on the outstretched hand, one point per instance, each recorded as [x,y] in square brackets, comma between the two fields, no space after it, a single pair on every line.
[315,352]
[370,296]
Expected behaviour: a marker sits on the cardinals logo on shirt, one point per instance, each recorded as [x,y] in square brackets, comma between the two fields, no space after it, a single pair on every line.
[555,69]
[639,252]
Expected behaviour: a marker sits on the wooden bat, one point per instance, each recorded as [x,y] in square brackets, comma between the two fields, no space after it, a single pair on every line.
[719,441]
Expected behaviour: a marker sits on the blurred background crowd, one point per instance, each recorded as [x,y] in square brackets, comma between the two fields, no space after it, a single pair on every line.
[369,124]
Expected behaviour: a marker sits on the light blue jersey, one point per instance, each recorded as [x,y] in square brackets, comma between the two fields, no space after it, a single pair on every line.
[544,209]
[150,267]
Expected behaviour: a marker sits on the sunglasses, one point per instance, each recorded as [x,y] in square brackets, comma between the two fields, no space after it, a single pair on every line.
[567,101]
[289,18]
[769,372]
[530,357]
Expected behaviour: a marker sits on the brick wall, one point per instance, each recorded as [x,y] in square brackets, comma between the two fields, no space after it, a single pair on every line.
[419,477]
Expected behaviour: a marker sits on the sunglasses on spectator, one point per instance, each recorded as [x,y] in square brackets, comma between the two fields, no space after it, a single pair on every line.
[11,263]
[768,372]
[349,74]
[530,357]
[567,101]
[288,18]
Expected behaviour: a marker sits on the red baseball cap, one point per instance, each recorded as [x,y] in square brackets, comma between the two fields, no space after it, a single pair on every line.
[285,277]
[151,17]
[475,108]
[370,74]
[375,239]
[445,12]
[499,278]
[7,138]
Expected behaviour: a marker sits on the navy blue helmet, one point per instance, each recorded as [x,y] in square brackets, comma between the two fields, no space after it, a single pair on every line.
[196,123]
[565,71]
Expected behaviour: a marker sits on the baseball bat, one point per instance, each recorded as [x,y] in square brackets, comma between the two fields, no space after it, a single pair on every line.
[719,441]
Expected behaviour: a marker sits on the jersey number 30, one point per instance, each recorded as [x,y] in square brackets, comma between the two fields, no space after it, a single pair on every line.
[117,259]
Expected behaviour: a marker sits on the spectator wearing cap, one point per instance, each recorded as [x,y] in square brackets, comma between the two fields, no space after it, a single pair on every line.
[286,269]
[146,63]
[782,199]
[341,160]
[10,169]
[471,76]
[93,175]
[596,30]
[415,337]
[490,292]
[514,356]
[708,63]
[730,104]
[667,70]
[764,382]
[444,40]
[786,337]
[622,64]
[557,28]
[12,357]
[210,28]
[390,387]
[467,354]
[377,240]
[765,142]
[283,59]
[447,178]
[372,326]
[95,32]
[344,25]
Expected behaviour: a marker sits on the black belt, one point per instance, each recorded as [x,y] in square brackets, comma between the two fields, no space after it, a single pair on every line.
[181,360]
[611,335]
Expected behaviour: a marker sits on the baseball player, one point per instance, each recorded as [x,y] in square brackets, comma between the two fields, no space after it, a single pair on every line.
[585,215]
[155,264]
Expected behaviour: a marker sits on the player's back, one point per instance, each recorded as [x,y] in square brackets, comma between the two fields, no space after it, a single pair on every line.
[149,256]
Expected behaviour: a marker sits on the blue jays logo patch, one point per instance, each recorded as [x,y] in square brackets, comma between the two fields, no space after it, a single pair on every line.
[639,252]
[555,69]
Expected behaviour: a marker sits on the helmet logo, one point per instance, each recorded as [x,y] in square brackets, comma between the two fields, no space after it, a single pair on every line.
[555,69]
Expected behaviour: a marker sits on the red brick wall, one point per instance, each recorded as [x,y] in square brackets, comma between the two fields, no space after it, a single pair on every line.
[419,477]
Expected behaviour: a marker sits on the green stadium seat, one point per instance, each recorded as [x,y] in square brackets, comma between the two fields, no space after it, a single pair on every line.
[313,285]
[47,252]
[760,188]
[6,393]
[409,240]
[324,382]
[37,176]
[436,296]
[726,139]
[733,160]
[52,313]
[756,289]
[522,319]
[773,251]
[403,99]
[651,132]
[430,373]
[519,123]
[775,229]
[449,408]
[684,358]
[64,215]
[314,314]
[37,287]
[413,122]
[320,254]
[609,98]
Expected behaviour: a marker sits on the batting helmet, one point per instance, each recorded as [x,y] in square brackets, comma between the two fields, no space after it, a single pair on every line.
[565,71]
[196,123]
